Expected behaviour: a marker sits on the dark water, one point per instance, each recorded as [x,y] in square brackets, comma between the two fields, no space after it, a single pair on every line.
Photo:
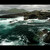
[20,32]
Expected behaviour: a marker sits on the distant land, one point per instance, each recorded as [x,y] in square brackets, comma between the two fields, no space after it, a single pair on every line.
[12,13]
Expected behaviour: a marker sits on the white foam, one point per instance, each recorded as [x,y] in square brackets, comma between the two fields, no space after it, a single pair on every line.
[6,43]
[36,20]
[20,18]
[12,19]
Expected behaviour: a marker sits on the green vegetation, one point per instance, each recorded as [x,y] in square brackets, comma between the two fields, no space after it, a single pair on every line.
[16,10]
[12,11]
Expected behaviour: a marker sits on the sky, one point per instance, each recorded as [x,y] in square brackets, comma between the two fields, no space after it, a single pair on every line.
[26,7]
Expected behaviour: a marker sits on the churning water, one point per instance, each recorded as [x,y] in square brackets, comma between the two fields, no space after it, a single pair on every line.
[20,31]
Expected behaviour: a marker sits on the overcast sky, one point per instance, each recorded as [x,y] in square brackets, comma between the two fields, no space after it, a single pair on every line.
[26,7]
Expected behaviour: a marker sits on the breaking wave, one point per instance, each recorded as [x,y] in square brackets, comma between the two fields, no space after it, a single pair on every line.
[17,31]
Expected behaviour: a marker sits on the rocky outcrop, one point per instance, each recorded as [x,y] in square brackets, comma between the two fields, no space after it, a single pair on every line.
[29,15]
[47,40]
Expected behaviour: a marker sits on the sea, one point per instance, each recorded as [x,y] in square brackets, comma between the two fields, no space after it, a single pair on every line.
[20,32]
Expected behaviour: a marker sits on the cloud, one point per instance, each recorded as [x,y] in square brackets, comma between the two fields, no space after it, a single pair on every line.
[26,7]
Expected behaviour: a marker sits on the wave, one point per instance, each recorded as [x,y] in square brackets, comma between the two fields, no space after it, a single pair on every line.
[17,31]
[20,41]
[36,20]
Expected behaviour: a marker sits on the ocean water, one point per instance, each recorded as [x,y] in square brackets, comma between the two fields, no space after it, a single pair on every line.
[17,31]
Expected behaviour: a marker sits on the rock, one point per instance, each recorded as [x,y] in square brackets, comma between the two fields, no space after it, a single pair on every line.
[47,40]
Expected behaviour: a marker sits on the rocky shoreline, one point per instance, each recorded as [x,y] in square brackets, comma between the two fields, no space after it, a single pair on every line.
[29,15]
